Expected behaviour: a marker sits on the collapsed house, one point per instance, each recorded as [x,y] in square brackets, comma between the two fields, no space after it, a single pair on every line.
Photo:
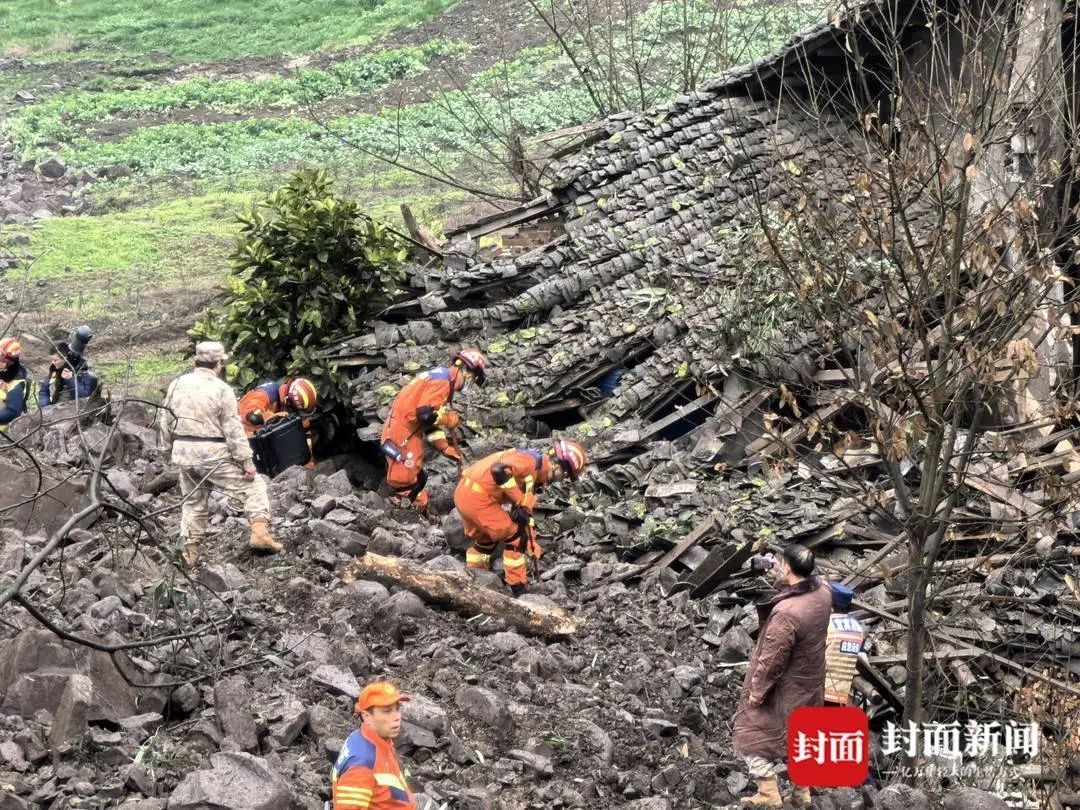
[649,328]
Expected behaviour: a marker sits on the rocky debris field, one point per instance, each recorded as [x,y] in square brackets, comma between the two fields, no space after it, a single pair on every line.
[247,701]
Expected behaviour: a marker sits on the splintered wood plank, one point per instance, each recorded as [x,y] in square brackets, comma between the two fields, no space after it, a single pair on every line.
[692,539]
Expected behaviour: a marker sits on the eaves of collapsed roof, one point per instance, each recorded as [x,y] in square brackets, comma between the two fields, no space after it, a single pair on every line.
[651,272]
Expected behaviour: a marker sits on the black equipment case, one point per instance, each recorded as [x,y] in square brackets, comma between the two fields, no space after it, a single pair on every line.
[280,445]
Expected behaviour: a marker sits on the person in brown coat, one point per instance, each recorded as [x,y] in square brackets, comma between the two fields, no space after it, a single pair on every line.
[786,672]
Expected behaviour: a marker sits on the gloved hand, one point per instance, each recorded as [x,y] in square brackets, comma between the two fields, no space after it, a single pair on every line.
[520,515]
[256,418]
[448,418]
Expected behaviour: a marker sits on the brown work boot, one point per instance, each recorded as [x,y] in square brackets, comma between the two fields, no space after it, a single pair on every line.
[190,554]
[261,539]
[800,797]
[768,795]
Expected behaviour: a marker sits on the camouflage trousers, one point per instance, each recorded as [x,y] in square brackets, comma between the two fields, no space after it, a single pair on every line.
[250,497]
[761,768]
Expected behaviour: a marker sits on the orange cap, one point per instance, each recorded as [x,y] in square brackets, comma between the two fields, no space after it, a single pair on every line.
[380,693]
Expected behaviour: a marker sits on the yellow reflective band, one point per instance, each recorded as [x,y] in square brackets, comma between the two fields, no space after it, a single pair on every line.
[354,790]
[470,557]
[510,483]
[517,561]
[528,483]
[389,780]
[475,487]
[436,435]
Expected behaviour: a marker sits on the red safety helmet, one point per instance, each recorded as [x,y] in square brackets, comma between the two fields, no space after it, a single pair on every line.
[10,348]
[572,456]
[472,361]
[302,395]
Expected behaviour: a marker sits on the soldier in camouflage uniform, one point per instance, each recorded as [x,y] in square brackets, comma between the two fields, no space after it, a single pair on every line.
[200,429]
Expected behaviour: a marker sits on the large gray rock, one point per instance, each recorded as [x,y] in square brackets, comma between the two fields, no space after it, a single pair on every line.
[336,680]
[969,798]
[9,801]
[426,714]
[485,706]
[454,531]
[236,781]
[901,797]
[337,485]
[55,500]
[70,720]
[232,705]
[52,167]
[735,646]
[404,603]
[34,671]
[344,540]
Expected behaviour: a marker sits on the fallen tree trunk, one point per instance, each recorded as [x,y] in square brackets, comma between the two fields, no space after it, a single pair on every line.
[457,590]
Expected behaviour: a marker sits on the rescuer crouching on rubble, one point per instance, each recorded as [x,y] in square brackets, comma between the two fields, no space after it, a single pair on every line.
[200,430]
[266,403]
[511,477]
[424,409]
[367,775]
[69,377]
[786,672]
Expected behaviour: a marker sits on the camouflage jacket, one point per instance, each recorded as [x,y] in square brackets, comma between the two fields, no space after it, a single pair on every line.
[200,423]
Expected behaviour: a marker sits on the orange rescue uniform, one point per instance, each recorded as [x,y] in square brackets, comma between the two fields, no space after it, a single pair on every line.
[271,400]
[428,395]
[509,476]
[367,775]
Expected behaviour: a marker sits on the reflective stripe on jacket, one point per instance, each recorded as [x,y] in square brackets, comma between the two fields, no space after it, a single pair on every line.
[843,643]
[432,389]
[13,396]
[526,470]
[367,775]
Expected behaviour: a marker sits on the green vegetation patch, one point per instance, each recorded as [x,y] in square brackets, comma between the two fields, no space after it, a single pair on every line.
[198,30]
[63,118]
[141,375]
[176,238]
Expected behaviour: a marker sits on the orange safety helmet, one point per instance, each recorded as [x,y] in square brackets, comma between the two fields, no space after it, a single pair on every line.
[10,348]
[472,361]
[572,456]
[302,395]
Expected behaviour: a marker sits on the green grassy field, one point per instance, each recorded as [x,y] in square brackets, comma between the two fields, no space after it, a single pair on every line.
[201,30]
[212,104]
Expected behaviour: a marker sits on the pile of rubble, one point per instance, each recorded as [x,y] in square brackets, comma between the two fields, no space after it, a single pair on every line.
[633,711]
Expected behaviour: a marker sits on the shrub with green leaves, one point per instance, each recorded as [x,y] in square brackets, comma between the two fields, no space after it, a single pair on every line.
[309,267]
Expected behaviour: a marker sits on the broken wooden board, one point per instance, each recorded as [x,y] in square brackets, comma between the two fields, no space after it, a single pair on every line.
[693,538]
[722,562]
[1002,493]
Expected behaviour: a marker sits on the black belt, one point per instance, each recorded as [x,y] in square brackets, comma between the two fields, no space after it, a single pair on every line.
[183,437]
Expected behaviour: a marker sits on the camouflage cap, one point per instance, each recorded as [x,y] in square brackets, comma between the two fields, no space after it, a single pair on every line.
[210,351]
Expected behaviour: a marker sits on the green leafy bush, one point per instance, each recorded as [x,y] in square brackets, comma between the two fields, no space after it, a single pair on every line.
[309,267]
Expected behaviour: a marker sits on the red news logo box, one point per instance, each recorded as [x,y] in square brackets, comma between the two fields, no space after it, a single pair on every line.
[828,746]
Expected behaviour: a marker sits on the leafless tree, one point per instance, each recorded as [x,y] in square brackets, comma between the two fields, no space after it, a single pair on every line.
[925,235]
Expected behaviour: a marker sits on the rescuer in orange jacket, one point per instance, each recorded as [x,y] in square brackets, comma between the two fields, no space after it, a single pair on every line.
[424,409]
[510,477]
[366,775]
[274,400]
